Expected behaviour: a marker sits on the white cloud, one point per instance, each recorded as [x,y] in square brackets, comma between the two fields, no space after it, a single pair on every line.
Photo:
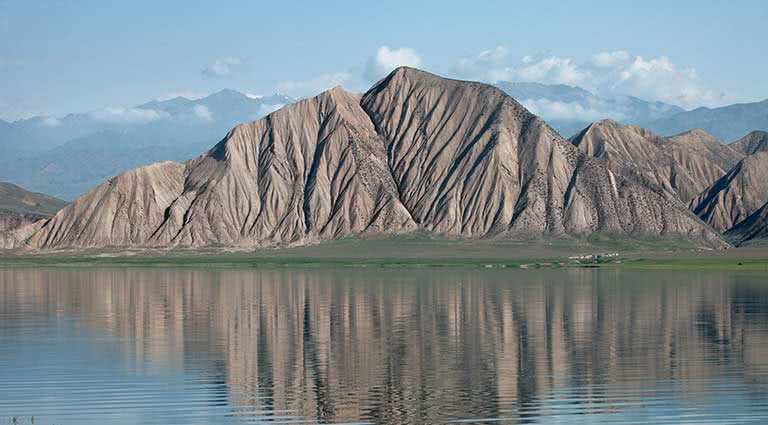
[611,73]
[253,96]
[387,59]
[568,111]
[202,112]
[128,115]
[495,65]
[223,67]
[49,121]
[610,59]
[660,79]
[315,85]
[551,69]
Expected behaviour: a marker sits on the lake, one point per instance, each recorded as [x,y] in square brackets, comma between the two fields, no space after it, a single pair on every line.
[377,345]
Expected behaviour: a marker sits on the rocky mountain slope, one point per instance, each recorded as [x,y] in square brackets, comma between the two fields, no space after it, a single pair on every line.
[736,195]
[684,164]
[19,208]
[454,158]
[15,199]
[753,228]
[756,141]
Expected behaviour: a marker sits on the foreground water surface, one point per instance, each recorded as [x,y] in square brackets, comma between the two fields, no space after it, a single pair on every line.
[126,346]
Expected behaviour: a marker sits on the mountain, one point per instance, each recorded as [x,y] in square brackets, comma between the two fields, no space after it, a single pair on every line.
[17,200]
[684,164]
[756,141]
[416,152]
[736,195]
[752,229]
[19,207]
[315,169]
[569,109]
[727,123]
[82,150]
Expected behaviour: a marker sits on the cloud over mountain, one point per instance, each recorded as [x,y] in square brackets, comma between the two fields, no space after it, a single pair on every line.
[612,73]
[315,84]
[127,115]
[386,59]
[223,67]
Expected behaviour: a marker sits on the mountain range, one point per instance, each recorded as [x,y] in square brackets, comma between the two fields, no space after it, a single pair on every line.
[569,109]
[418,152]
[69,156]
[727,123]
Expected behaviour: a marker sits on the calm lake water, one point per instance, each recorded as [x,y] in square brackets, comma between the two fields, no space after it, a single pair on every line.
[162,346]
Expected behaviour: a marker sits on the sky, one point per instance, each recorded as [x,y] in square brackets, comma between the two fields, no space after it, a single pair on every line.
[58,57]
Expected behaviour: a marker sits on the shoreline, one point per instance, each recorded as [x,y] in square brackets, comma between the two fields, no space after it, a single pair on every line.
[413,253]
[245,262]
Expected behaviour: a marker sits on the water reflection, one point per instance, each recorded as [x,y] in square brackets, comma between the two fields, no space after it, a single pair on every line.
[382,346]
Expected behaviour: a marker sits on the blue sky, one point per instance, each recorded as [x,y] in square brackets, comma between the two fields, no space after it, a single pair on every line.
[71,56]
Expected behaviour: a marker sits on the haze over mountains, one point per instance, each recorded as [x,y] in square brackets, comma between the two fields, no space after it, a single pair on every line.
[453,158]
[569,109]
[69,156]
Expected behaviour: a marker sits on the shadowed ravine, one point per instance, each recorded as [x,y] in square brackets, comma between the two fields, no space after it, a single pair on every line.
[417,346]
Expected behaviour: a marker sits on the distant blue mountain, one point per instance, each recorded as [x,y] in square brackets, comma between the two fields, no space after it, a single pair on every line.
[570,109]
[68,156]
[727,123]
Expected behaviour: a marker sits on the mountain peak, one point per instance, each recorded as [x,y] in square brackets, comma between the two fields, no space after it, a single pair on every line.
[752,143]
[695,134]
[336,91]
[607,122]
[227,94]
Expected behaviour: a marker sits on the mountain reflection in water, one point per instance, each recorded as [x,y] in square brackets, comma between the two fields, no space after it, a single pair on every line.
[382,346]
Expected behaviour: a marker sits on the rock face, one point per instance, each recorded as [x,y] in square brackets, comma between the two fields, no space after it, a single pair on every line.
[684,164]
[417,151]
[467,159]
[124,211]
[736,195]
[756,141]
[753,228]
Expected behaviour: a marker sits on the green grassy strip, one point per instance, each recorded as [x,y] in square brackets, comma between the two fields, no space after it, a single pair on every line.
[697,263]
[252,261]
